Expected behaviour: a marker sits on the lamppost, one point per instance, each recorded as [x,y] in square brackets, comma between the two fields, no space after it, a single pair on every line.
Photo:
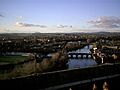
[102,58]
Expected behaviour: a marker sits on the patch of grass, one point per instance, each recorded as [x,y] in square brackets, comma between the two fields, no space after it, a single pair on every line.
[12,59]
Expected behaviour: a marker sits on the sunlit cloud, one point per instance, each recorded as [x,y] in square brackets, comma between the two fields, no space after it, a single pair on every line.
[2,30]
[64,26]
[19,24]
[106,22]
[20,17]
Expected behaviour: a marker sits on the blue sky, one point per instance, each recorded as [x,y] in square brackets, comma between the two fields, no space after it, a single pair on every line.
[59,16]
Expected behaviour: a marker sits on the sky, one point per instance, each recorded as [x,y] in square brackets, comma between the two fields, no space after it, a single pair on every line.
[65,16]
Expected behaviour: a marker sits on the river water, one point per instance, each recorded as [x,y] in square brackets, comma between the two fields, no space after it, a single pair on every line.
[81,63]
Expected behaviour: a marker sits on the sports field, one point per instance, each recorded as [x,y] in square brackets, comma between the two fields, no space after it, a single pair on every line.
[12,59]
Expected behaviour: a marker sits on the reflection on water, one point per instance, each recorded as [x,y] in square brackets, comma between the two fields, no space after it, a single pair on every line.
[83,50]
[81,63]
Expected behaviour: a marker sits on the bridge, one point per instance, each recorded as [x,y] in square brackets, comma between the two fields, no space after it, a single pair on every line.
[74,56]
[80,56]
[65,79]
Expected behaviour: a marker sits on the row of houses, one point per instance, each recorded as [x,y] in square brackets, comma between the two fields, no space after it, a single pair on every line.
[107,54]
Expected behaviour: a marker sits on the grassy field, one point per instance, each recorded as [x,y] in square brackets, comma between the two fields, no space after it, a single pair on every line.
[12,59]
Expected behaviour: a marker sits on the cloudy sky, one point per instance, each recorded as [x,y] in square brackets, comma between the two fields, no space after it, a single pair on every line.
[51,16]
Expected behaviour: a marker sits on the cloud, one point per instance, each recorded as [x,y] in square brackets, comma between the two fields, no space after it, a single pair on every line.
[20,17]
[63,26]
[3,30]
[1,15]
[106,22]
[19,24]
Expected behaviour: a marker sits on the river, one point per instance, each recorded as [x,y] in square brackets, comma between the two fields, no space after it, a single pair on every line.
[81,63]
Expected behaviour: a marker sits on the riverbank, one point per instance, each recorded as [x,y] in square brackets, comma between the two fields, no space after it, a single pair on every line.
[72,46]
[15,67]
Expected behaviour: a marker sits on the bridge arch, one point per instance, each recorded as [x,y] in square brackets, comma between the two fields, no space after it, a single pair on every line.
[80,55]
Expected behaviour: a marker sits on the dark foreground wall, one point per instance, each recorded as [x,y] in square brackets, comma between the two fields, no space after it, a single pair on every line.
[57,78]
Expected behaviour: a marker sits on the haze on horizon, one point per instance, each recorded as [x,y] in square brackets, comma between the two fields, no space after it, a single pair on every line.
[52,16]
